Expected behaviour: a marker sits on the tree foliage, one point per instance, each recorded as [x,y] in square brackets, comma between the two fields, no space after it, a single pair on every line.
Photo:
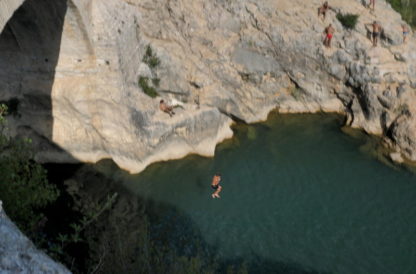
[150,58]
[407,8]
[23,182]
[148,89]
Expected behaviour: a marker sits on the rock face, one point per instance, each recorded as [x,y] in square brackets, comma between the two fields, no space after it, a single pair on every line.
[19,255]
[74,67]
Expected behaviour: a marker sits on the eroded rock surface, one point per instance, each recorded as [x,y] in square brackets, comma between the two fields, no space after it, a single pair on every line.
[74,66]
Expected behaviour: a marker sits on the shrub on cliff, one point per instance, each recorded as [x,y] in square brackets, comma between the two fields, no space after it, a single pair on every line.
[149,90]
[407,9]
[348,20]
[150,58]
[24,188]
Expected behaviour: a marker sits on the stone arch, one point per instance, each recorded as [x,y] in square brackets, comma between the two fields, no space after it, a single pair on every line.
[29,51]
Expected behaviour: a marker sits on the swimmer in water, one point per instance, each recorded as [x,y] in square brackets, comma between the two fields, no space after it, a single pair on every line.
[216,185]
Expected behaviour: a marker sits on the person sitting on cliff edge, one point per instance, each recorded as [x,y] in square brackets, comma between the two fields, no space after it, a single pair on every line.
[323,9]
[329,33]
[165,108]
[216,185]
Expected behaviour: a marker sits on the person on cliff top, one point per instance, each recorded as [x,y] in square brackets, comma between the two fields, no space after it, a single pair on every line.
[405,31]
[372,4]
[323,9]
[216,185]
[165,108]
[376,27]
[329,33]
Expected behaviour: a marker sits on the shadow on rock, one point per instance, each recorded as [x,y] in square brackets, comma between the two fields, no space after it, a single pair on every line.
[29,49]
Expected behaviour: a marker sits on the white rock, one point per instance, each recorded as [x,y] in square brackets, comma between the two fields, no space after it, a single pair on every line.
[77,78]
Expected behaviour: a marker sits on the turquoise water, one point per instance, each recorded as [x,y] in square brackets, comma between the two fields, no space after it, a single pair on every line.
[297,192]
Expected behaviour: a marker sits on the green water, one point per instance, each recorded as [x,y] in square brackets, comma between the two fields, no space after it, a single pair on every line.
[298,196]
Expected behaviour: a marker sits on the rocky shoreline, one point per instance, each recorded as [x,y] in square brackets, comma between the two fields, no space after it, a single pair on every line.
[79,97]
[74,67]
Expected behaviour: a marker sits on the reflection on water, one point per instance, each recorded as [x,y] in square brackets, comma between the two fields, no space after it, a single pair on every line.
[298,197]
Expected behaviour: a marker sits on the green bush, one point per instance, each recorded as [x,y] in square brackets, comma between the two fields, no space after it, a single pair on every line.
[156,82]
[149,90]
[407,9]
[12,106]
[150,58]
[24,188]
[349,20]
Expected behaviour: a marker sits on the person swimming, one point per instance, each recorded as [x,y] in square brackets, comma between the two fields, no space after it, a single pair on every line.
[216,185]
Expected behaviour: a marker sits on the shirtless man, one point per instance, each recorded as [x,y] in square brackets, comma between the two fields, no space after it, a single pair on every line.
[216,185]
[165,108]
[323,9]
[375,33]
[329,32]
[405,30]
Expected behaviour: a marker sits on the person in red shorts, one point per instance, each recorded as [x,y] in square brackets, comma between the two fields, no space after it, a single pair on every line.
[329,33]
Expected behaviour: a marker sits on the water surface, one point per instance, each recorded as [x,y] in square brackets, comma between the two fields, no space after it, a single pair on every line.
[297,191]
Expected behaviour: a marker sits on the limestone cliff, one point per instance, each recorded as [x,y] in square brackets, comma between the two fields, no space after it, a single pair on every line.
[74,66]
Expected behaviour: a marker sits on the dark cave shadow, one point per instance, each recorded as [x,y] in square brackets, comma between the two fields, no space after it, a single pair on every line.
[148,236]
[29,51]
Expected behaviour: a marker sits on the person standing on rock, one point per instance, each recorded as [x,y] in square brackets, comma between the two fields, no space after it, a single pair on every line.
[329,33]
[405,30]
[323,9]
[375,33]
[216,185]
[372,4]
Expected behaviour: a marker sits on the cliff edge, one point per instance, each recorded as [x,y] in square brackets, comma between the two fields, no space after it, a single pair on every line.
[74,68]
